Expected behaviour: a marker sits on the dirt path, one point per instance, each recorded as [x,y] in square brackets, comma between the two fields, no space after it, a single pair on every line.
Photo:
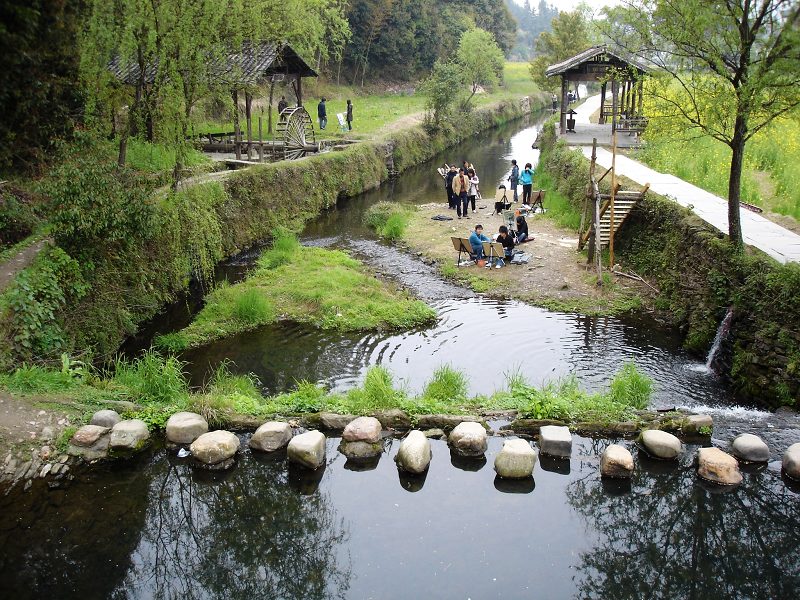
[401,123]
[10,268]
[555,277]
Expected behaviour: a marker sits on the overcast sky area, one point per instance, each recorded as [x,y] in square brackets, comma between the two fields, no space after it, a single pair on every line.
[567,5]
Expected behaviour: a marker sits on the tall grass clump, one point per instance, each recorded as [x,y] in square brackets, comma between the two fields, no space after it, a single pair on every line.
[389,219]
[152,378]
[376,393]
[447,384]
[630,387]
[252,307]
[284,247]
[33,379]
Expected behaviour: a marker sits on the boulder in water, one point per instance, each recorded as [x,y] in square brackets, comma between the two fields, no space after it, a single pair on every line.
[307,449]
[791,461]
[129,435]
[718,467]
[468,439]
[363,429]
[660,444]
[185,427]
[414,454]
[515,460]
[271,436]
[750,448]
[357,450]
[215,450]
[616,462]
[333,421]
[90,442]
[393,418]
[555,440]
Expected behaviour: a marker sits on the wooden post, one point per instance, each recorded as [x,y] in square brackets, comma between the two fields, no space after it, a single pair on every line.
[299,90]
[632,101]
[564,105]
[596,253]
[236,131]
[602,119]
[248,104]
[260,140]
[622,98]
[611,203]
[614,105]
[641,96]
[586,199]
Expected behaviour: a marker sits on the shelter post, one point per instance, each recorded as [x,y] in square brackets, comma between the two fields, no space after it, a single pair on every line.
[248,104]
[614,104]
[640,112]
[564,105]
[602,118]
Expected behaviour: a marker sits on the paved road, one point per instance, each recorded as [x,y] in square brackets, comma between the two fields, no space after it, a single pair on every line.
[780,243]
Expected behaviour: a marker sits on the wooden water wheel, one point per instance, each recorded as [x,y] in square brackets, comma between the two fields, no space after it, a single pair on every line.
[295,130]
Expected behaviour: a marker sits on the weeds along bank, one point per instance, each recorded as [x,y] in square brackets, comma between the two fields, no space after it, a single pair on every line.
[699,278]
[123,249]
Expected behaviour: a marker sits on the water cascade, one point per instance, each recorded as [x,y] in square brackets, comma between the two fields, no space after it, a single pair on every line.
[722,333]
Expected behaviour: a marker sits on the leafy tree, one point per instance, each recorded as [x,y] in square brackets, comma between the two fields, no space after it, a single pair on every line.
[724,68]
[531,22]
[481,59]
[570,34]
[442,89]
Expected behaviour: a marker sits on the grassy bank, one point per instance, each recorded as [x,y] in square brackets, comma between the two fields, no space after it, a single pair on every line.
[320,287]
[699,277]
[157,386]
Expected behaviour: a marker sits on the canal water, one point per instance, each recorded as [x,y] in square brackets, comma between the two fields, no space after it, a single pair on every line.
[154,528]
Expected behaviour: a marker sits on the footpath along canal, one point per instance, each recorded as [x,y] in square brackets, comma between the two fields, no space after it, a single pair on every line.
[154,527]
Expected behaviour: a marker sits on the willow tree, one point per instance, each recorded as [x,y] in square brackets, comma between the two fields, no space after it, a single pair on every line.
[177,47]
[725,68]
[481,59]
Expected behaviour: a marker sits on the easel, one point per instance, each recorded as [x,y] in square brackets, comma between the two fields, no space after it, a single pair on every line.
[462,246]
[493,250]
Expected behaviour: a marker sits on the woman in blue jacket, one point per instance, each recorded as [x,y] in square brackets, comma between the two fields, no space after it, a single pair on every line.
[526,177]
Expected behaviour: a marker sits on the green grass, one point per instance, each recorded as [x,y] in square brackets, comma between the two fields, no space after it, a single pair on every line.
[323,288]
[559,209]
[389,219]
[157,384]
[157,158]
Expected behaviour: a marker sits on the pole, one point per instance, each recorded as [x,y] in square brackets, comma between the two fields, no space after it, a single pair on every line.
[611,204]
[591,180]
[564,106]
[260,140]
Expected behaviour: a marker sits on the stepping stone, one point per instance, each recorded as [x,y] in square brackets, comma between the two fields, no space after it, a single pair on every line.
[129,435]
[215,450]
[660,444]
[90,442]
[515,460]
[358,450]
[468,439]
[88,435]
[333,421]
[750,448]
[555,440]
[363,429]
[106,418]
[307,449]
[718,467]
[394,418]
[616,462]
[414,455]
[271,436]
[185,427]
[791,461]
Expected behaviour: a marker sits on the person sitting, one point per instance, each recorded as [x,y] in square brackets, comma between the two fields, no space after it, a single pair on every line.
[476,239]
[522,229]
[505,239]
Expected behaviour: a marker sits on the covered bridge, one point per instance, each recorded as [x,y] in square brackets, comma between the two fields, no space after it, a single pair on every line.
[599,64]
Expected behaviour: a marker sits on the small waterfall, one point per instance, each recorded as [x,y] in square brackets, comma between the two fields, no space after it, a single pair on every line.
[722,333]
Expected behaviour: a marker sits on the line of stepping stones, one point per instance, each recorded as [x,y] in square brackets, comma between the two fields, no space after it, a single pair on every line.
[361,439]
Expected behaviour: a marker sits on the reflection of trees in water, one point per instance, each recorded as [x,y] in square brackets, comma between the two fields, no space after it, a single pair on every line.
[232,535]
[673,538]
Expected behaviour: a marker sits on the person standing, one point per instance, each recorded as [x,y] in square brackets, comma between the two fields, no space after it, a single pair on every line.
[448,185]
[322,113]
[460,190]
[349,117]
[282,105]
[473,188]
[555,103]
[514,178]
[527,183]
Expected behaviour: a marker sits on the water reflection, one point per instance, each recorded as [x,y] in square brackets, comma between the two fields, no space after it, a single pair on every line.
[671,536]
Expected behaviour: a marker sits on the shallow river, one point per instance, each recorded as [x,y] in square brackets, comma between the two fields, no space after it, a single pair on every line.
[154,528]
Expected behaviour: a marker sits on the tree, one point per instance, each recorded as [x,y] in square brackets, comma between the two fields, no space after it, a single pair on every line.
[480,58]
[725,68]
[442,89]
[570,33]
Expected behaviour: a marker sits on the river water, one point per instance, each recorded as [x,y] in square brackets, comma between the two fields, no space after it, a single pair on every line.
[154,528]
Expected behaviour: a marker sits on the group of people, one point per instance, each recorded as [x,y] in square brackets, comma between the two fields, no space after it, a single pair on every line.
[322,114]
[507,239]
[462,187]
[525,178]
